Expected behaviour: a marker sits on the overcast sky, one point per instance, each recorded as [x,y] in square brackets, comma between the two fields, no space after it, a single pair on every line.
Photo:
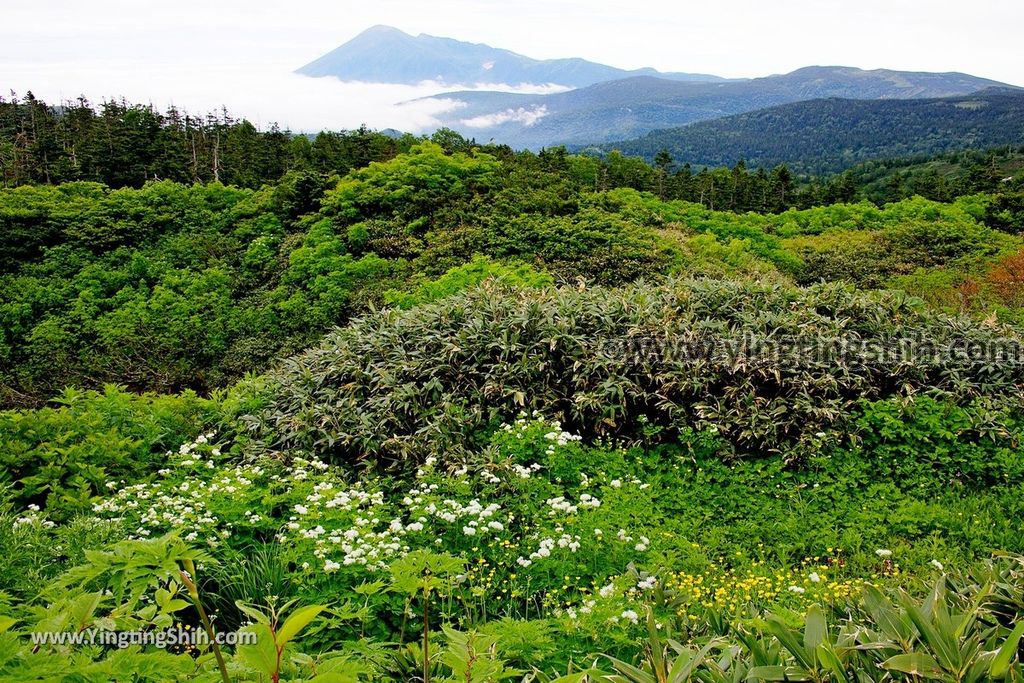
[204,54]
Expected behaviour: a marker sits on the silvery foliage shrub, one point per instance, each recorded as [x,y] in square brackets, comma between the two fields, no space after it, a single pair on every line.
[768,367]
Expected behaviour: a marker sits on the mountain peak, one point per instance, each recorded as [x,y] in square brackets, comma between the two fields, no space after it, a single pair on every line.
[384,54]
[383,29]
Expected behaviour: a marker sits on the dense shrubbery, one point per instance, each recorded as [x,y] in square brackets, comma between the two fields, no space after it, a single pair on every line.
[172,287]
[767,366]
[61,458]
[488,476]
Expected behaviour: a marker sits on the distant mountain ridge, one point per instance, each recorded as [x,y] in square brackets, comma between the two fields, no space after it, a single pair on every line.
[598,103]
[631,107]
[383,54]
[830,135]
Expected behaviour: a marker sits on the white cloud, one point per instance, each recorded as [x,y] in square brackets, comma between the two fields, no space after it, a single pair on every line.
[259,93]
[293,101]
[522,115]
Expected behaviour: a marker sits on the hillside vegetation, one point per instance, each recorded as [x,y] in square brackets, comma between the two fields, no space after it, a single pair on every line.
[454,413]
[830,135]
[171,287]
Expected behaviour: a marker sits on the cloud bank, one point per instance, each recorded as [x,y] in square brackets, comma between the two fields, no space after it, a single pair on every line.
[264,96]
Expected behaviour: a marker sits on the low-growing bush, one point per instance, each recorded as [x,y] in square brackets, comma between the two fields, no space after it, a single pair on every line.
[64,456]
[480,269]
[767,366]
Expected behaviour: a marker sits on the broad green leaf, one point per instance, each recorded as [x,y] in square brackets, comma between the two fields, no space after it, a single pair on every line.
[335,677]
[886,616]
[816,628]
[940,643]
[917,664]
[260,656]
[789,641]
[297,621]
[830,660]
[775,673]
[635,675]
[256,615]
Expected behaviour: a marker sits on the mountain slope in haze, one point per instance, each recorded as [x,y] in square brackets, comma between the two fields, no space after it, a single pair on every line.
[829,135]
[383,54]
[631,107]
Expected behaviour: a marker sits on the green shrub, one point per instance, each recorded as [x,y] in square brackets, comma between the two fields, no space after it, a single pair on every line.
[411,187]
[767,366]
[931,444]
[480,269]
[63,457]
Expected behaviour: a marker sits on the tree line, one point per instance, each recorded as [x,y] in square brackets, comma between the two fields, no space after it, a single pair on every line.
[121,144]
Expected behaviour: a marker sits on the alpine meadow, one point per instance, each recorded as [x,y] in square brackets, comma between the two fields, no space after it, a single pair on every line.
[600,375]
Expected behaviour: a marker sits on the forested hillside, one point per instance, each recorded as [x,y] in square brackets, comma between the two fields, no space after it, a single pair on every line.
[173,286]
[940,177]
[830,135]
[417,409]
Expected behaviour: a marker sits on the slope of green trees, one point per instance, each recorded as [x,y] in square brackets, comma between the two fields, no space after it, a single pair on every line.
[170,286]
[830,135]
[125,145]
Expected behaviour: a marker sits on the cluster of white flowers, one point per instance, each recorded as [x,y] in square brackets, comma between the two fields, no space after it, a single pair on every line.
[573,612]
[561,438]
[352,524]
[565,541]
[624,536]
[474,514]
[183,507]
[883,552]
[647,583]
[33,515]
[524,472]
[640,485]
[555,434]
[561,504]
